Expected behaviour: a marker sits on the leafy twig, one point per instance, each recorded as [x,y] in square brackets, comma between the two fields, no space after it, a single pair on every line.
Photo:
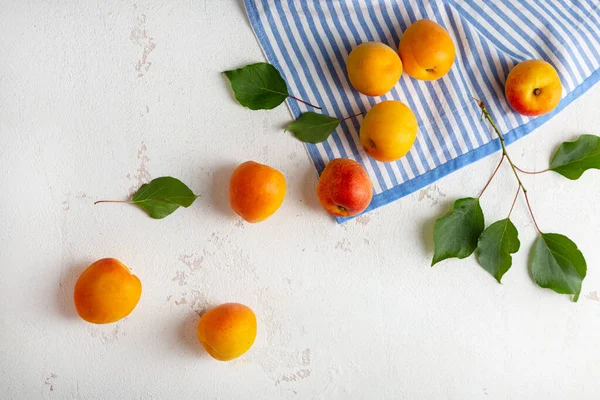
[514,168]
[555,261]
[487,116]
[173,194]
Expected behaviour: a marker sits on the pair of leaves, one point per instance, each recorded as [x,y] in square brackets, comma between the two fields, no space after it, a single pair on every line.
[556,262]
[572,159]
[161,197]
[260,86]
[461,231]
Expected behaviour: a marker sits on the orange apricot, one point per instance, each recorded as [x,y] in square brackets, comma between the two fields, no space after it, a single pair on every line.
[256,191]
[373,68]
[388,131]
[106,292]
[426,50]
[227,331]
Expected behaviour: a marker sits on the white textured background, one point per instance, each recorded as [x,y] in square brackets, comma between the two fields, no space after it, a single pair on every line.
[96,99]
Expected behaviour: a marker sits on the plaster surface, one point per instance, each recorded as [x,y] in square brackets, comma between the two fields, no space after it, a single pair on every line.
[98,97]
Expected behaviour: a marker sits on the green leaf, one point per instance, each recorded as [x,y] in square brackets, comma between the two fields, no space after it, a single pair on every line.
[258,86]
[496,244]
[572,159]
[162,196]
[456,233]
[556,263]
[312,127]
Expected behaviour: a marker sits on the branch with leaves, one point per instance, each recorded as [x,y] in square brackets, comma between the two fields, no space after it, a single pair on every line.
[555,261]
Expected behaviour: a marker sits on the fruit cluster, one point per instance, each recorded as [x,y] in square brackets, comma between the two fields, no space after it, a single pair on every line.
[107,291]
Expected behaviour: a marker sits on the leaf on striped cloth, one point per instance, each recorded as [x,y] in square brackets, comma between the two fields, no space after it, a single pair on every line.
[312,127]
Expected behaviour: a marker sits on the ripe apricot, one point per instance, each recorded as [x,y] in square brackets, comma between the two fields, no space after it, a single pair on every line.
[106,292]
[227,331]
[533,88]
[373,68]
[426,50]
[256,191]
[388,131]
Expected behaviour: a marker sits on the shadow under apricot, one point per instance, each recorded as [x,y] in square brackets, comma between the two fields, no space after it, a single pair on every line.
[188,337]
[65,304]
[219,199]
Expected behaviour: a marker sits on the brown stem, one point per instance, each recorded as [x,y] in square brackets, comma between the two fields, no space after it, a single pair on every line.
[305,102]
[487,115]
[352,116]
[531,212]
[531,172]
[112,201]
[491,177]
[512,165]
[514,201]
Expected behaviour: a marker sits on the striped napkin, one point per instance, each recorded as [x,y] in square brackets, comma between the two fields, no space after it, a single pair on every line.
[308,41]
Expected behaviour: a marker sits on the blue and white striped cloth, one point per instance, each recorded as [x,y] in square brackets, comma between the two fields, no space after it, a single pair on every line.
[308,41]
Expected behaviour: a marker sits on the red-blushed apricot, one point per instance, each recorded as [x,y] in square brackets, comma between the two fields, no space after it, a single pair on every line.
[533,88]
[344,188]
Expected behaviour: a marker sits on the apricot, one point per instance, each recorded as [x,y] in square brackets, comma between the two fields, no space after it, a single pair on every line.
[106,292]
[533,88]
[227,331]
[388,131]
[426,50]
[344,188]
[373,68]
[256,191]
